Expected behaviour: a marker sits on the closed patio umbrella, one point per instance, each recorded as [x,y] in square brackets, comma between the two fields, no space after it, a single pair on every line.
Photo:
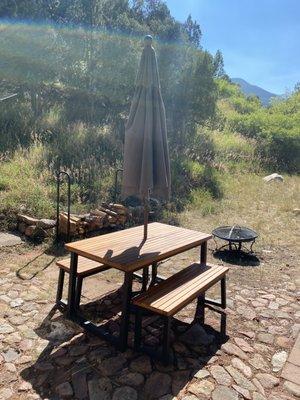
[146,167]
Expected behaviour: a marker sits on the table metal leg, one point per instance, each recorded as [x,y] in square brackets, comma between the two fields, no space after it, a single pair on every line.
[127,294]
[72,286]
[154,274]
[203,253]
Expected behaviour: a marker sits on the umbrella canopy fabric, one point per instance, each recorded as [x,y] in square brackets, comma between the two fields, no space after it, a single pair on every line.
[146,156]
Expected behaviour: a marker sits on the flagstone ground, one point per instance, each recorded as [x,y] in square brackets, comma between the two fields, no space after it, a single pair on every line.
[44,356]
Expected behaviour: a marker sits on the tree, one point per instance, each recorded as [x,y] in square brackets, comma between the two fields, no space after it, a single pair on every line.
[219,71]
[193,31]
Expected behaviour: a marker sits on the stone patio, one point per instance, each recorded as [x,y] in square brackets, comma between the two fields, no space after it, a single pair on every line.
[44,356]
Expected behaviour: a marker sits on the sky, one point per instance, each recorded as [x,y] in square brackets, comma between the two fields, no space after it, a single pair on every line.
[259,39]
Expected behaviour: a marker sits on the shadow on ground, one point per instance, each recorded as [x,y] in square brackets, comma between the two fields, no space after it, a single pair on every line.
[76,364]
[236,257]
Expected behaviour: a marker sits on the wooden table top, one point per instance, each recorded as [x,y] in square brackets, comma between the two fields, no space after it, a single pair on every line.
[127,251]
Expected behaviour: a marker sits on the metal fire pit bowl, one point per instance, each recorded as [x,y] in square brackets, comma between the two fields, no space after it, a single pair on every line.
[235,236]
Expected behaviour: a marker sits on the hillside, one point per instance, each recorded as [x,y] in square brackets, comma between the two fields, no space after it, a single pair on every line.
[249,89]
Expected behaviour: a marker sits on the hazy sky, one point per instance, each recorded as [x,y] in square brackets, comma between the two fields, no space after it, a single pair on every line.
[259,39]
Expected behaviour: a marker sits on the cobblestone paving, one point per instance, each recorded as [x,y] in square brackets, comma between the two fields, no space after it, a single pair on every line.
[43,356]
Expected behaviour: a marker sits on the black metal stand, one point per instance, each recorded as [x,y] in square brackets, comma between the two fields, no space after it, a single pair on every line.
[238,245]
[58,182]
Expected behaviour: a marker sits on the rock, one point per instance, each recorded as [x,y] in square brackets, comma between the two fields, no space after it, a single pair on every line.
[292,388]
[25,387]
[157,385]
[258,362]
[64,390]
[125,393]
[259,386]
[131,378]
[112,366]
[273,305]
[201,374]
[249,334]
[246,312]
[6,393]
[220,375]
[283,341]
[244,392]
[179,381]
[59,331]
[278,360]
[78,350]
[6,328]
[258,396]
[100,389]
[16,302]
[190,397]
[296,211]
[268,381]
[46,223]
[243,345]
[9,239]
[233,350]
[197,336]
[201,387]
[240,379]
[238,364]
[80,385]
[273,178]
[141,364]
[265,338]
[10,355]
[224,393]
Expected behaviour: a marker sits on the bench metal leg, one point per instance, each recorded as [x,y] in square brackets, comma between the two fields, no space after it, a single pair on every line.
[60,285]
[78,290]
[72,286]
[166,340]
[203,253]
[223,292]
[200,310]
[138,329]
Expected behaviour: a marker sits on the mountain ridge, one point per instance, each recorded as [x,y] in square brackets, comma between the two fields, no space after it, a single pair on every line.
[249,89]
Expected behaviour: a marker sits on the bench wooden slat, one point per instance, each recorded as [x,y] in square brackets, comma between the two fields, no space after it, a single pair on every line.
[85,266]
[176,292]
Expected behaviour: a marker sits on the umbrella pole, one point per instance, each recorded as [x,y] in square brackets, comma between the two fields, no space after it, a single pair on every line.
[146,215]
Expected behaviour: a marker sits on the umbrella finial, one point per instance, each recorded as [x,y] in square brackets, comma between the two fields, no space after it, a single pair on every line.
[148,40]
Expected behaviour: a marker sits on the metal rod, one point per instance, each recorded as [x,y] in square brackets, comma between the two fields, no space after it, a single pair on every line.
[146,214]
[58,179]
[116,183]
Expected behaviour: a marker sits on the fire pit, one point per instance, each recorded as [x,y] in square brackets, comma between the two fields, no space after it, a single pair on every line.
[235,236]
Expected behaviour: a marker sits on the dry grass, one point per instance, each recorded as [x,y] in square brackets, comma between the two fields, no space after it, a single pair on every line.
[248,200]
[268,209]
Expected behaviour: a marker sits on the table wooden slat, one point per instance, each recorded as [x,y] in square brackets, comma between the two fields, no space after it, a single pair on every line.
[126,250]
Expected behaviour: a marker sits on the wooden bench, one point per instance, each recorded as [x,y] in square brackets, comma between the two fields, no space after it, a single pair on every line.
[173,294]
[85,267]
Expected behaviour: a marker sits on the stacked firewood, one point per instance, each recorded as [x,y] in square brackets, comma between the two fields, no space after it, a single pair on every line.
[106,215]
[34,227]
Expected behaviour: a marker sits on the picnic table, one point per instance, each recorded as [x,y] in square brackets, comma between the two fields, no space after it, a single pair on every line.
[128,252]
